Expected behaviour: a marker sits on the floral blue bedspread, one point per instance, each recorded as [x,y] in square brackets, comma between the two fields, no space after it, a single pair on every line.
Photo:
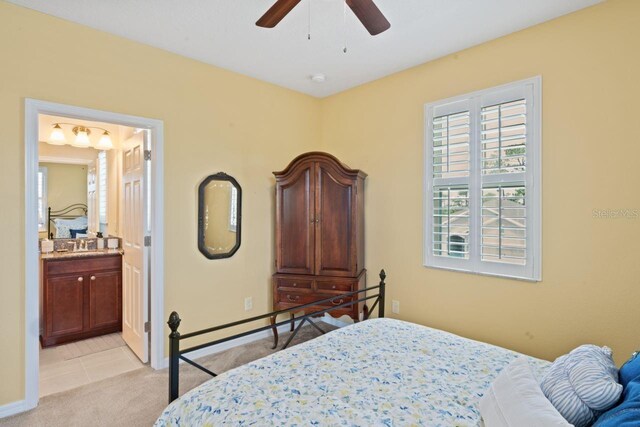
[381,372]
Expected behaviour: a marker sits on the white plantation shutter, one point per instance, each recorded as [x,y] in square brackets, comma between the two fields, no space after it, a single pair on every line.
[451,222]
[451,145]
[482,199]
[102,188]
[504,226]
[42,199]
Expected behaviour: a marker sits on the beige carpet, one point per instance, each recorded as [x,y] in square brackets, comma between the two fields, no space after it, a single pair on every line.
[137,398]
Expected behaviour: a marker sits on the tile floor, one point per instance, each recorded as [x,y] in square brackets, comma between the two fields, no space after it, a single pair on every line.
[57,374]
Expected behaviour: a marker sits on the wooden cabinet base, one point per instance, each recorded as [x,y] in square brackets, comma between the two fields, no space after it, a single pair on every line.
[51,341]
[81,298]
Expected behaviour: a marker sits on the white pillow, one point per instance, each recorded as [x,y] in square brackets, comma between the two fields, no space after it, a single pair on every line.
[516,400]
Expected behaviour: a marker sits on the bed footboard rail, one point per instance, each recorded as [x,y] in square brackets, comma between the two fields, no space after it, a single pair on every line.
[176,353]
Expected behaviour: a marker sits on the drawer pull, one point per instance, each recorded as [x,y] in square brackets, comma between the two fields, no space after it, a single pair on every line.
[334,302]
[295,284]
[93,277]
[80,279]
[333,287]
[294,298]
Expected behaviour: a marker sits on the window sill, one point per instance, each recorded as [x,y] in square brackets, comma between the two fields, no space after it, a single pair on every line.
[502,276]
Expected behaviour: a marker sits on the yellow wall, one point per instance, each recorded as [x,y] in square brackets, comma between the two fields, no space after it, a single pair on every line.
[214,121]
[220,121]
[590,67]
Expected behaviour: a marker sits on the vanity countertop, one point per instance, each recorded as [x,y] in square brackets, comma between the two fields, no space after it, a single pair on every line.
[81,254]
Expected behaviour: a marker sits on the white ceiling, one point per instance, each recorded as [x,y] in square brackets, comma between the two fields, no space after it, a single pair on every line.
[223,33]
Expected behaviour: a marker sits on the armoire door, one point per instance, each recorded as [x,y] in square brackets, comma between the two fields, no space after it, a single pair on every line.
[295,222]
[335,233]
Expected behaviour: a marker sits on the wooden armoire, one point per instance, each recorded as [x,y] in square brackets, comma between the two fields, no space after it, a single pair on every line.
[319,234]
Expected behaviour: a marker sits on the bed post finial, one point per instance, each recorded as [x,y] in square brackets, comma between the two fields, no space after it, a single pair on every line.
[383,286]
[174,323]
[174,356]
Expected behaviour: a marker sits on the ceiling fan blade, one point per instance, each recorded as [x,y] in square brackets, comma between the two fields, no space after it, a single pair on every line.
[370,16]
[276,13]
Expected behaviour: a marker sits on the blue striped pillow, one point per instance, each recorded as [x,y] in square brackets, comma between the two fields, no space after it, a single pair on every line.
[583,384]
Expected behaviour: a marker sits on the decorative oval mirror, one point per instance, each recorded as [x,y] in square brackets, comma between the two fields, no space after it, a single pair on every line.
[219,216]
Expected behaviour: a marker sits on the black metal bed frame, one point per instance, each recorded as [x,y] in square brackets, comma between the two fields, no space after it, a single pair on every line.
[63,213]
[176,354]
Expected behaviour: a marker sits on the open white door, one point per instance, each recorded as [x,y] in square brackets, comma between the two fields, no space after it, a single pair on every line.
[135,295]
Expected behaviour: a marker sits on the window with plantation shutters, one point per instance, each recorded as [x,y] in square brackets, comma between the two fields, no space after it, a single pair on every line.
[102,190]
[42,199]
[482,182]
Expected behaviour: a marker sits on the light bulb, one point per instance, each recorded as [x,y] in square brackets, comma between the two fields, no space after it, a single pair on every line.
[105,142]
[57,136]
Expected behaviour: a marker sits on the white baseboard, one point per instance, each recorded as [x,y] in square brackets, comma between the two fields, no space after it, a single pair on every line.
[249,339]
[13,408]
[337,322]
[229,344]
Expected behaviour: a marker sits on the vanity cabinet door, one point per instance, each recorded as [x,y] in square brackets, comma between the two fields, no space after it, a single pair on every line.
[64,305]
[105,300]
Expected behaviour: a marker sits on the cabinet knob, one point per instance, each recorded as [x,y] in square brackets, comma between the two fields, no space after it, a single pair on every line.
[80,279]
[333,287]
[295,284]
[93,277]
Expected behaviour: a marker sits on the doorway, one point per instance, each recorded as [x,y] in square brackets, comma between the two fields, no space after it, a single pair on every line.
[142,271]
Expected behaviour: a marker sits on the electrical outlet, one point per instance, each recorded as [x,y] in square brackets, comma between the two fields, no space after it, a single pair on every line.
[395,307]
[248,304]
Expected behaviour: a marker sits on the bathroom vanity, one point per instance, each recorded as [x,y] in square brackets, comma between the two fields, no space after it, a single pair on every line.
[81,295]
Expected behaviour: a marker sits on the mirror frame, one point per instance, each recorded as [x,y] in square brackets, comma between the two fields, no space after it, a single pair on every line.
[220,176]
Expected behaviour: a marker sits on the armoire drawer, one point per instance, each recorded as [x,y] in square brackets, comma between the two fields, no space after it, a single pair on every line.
[303,298]
[298,298]
[294,284]
[335,286]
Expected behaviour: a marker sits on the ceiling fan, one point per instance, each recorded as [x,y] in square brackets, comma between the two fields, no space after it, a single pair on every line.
[365,10]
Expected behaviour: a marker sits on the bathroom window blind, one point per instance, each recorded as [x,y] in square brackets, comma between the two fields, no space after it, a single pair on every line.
[482,184]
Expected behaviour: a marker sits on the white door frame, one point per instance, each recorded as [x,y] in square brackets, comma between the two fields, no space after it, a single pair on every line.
[32,262]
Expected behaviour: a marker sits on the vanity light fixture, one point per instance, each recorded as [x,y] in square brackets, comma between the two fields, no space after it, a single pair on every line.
[82,136]
[57,136]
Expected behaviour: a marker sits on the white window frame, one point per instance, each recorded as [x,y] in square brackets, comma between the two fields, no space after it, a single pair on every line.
[531,90]
[42,226]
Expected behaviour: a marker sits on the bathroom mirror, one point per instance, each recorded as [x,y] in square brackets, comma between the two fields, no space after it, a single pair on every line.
[219,216]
